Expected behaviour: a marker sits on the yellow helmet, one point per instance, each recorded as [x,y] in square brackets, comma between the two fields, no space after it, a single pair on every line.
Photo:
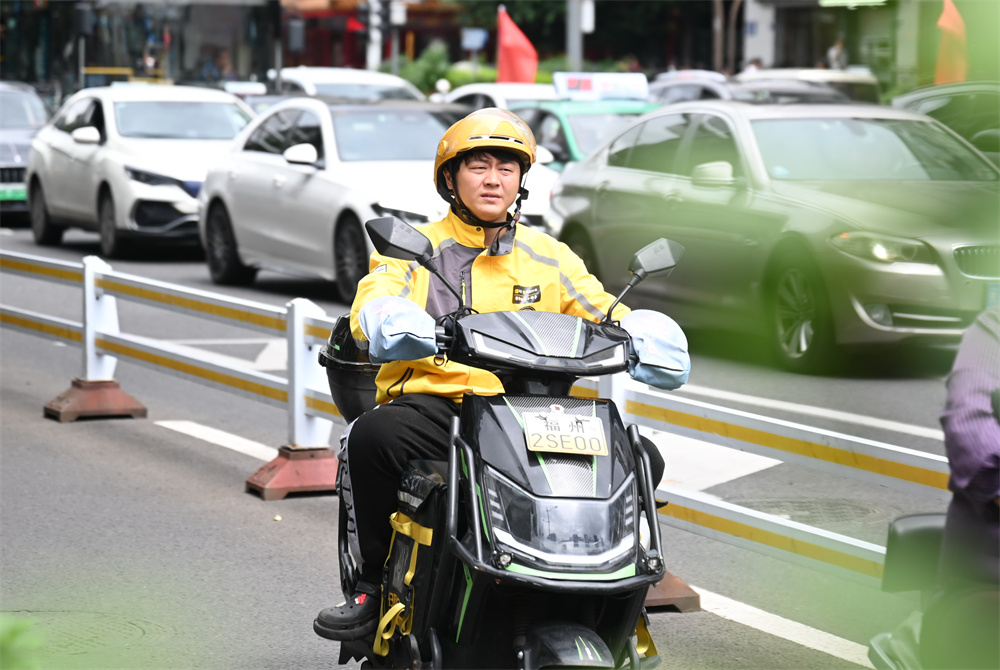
[488,128]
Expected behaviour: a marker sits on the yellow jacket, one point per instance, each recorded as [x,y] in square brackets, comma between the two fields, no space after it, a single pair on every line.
[523,268]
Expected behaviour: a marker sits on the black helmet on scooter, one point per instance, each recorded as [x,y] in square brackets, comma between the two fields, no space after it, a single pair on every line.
[349,371]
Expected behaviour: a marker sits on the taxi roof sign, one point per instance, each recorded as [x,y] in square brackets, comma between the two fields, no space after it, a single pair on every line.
[601,85]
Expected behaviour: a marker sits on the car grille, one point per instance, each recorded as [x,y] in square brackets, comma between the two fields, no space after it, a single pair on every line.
[12,175]
[981,261]
[151,214]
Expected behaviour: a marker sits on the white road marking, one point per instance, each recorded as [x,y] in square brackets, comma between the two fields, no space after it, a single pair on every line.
[808,410]
[695,465]
[800,634]
[223,439]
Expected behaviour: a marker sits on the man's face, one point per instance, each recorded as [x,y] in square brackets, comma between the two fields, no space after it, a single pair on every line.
[487,185]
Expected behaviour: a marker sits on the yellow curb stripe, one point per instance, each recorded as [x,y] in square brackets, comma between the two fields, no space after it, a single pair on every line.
[272,322]
[322,406]
[880,466]
[57,331]
[768,538]
[31,268]
[195,371]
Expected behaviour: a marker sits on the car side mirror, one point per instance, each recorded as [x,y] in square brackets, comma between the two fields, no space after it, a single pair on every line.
[301,154]
[86,135]
[987,141]
[544,155]
[714,174]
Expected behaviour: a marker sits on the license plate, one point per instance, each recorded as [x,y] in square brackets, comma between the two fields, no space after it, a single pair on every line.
[992,294]
[12,193]
[565,433]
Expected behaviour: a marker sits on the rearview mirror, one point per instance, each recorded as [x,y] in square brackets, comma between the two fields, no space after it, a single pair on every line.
[301,154]
[86,135]
[393,238]
[657,257]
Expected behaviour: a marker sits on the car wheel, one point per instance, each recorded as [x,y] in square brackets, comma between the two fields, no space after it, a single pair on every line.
[44,231]
[222,254]
[350,257]
[800,318]
[112,244]
[579,243]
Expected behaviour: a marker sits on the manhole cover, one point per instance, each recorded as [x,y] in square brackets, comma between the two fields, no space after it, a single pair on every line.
[820,512]
[72,633]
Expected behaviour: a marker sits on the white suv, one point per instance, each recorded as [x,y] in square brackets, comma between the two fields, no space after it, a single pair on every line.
[128,161]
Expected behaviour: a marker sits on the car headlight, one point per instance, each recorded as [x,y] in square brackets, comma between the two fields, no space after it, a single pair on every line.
[409,217]
[152,179]
[562,531]
[883,248]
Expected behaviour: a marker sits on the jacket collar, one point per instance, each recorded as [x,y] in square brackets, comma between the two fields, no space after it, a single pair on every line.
[475,236]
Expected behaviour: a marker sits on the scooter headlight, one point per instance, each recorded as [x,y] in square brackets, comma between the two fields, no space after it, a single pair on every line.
[562,531]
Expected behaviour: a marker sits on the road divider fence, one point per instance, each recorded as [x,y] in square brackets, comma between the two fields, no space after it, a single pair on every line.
[307,462]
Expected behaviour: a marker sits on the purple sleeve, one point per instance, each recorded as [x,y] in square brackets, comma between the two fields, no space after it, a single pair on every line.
[971,429]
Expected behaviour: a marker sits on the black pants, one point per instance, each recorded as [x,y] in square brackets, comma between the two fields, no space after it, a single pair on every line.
[379,446]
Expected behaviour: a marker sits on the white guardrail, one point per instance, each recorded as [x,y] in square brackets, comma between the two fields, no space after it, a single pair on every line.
[311,411]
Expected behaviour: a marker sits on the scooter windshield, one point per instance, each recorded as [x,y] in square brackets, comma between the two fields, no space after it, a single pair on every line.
[562,531]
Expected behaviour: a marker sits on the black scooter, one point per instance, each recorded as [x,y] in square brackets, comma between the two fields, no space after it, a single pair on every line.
[534,546]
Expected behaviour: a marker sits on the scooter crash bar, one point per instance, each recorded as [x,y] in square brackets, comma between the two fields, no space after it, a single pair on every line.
[649,495]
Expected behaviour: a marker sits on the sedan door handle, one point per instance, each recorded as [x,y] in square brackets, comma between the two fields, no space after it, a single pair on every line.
[279,181]
[603,187]
[673,199]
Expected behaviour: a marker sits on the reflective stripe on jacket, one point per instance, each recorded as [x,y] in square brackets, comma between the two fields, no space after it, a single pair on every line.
[523,268]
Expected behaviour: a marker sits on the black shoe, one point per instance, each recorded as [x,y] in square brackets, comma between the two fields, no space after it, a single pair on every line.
[353,619]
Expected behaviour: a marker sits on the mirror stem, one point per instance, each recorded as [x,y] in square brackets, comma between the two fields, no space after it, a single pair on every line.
[635,279]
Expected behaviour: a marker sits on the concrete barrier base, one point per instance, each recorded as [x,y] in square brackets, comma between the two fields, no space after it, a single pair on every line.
[674,593]
[93,400]
[295,470]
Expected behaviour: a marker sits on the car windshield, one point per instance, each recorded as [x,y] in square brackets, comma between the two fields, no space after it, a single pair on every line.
[366,91]
[171,120]
[20,110]
[591,130]
[845,149]
[390,135]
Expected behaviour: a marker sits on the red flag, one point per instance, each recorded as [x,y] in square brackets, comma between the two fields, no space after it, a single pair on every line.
[953,54]
[517,60]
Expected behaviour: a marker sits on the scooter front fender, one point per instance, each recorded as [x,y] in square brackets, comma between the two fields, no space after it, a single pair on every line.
[556,645]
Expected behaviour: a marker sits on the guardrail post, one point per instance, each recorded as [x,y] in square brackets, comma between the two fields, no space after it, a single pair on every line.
[96,394]
[612,387]
[306,463]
